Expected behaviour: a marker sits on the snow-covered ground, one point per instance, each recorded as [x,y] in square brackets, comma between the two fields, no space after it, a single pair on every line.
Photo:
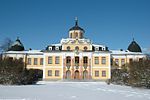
[72,91]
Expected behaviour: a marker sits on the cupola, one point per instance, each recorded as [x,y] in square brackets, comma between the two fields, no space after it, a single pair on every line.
[134,47]
[76,32]
[17,46]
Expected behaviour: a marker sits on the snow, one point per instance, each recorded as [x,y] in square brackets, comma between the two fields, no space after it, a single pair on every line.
[125,52]
[72,91]
[24,52]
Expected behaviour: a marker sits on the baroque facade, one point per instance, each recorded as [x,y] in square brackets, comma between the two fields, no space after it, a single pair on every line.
[75,57]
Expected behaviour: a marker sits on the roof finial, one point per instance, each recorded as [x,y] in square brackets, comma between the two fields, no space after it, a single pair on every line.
[76,21]
[133,36]
[17,37]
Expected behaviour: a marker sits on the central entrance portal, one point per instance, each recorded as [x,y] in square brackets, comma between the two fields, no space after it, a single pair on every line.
[76,76]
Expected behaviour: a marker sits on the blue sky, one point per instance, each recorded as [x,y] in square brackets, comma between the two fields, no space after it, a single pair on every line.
[39,23]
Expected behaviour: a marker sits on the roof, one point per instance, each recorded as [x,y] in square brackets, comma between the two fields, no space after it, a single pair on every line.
[123,52]
[134,47]
[25,52]
[76,27]
[17,46]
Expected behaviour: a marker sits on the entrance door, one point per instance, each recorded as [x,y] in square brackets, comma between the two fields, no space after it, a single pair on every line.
[85,74]
[76,74]
[68,74]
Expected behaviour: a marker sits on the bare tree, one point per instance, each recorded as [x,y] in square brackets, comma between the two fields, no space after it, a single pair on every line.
[6,44]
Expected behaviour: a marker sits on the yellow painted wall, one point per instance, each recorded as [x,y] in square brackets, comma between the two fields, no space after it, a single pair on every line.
[32,62]
[100,60]
[53,73]
[100,73]
[53,61]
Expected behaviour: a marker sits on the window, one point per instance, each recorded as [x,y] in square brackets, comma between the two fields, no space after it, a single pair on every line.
[41,61]
[85,60]
[76,34]
[100,48]
[57,60]
[49,72]
[70,35]
[117,61]
[29,61]
[56,72]
[76,48]
[68,60]
[97,48]
[85,48]
[96,60]
[35,61]
[50,48]
[103,60]
[96,73]
[130,60]
[103,73]
[50,60]
[68,48]
[140,59]
[77,60]
[56,48]
[122,61]
[10,58]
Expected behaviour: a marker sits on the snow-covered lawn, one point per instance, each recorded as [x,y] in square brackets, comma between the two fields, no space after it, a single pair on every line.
[72,91]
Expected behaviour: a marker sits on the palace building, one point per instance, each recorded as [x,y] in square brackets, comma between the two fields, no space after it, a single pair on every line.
[75,57]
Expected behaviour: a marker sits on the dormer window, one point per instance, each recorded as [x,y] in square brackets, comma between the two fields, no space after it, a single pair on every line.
[76,48]
[68,48]
[103,48]
[85,48]
[50,48]
[56,48]
[96,48]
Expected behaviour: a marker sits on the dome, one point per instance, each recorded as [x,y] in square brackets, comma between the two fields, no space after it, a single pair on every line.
[134,47]
[17,46]
[76,27]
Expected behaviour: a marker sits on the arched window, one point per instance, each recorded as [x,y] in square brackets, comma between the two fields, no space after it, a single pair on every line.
[85,59]
[85,48]
[76,34]
[68,59]
[76,48]
[68,48]
[70,35]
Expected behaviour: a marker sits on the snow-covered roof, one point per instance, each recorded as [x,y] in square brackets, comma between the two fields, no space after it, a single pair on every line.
[25,52]
[97,45]
[55,44]
[125,52]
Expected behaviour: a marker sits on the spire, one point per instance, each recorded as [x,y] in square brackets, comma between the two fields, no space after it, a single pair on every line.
[17,37]
[76,21]
[132,36]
